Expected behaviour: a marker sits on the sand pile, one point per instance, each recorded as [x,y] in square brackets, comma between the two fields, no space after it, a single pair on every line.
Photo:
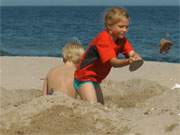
[133,107]
[16,97]
[130,93]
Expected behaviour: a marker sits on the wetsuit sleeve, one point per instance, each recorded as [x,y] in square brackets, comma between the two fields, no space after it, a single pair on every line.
[127,48]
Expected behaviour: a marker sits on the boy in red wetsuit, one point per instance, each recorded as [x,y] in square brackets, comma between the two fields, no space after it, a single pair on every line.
[101,55]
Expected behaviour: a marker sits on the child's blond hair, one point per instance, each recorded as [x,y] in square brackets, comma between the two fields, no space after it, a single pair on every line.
[114,15]
[72,51]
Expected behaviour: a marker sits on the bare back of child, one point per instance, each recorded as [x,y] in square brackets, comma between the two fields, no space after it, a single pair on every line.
[60,78]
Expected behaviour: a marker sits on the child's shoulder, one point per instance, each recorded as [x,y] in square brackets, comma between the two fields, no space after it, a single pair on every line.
[103,36]
[55,68]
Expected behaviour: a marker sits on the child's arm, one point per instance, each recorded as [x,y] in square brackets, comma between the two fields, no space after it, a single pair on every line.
[115,62]
[133,56]
[45,87]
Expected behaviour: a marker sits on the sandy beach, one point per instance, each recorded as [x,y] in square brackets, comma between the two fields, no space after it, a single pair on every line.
[136,103]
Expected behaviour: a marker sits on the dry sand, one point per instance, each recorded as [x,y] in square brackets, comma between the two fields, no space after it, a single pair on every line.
[137,103]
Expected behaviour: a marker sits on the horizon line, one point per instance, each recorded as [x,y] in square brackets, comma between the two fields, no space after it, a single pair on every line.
[89,5]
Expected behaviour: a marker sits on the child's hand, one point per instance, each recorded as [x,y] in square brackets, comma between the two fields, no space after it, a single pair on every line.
[137,56]
[134,56]
[131,60]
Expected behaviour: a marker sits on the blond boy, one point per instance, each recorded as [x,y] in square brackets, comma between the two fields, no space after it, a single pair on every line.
[60,78]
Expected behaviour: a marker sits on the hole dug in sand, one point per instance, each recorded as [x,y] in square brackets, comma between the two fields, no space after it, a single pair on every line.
[131,93]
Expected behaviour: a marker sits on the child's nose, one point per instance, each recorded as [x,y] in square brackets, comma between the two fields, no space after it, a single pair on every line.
[125,29]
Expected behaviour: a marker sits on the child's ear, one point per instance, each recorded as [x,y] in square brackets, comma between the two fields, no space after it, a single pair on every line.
[108,27]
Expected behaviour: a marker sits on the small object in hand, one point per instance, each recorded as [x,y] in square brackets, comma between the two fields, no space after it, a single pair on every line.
[165,45]
[135,65]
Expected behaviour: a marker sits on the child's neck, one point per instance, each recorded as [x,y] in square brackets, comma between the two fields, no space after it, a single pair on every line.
[69,64]
[116,39]
[113,37]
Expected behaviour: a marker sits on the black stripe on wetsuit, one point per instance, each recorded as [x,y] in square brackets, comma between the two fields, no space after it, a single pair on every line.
[90,56]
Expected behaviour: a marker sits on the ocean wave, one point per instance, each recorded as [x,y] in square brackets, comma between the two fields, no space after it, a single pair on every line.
[5,53]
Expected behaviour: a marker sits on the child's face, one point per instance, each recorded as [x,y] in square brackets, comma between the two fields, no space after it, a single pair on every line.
[120,29]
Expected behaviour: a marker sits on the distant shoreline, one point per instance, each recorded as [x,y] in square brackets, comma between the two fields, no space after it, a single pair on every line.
[43,56]
[89,5]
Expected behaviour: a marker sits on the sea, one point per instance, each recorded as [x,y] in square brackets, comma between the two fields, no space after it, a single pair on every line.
[43,30]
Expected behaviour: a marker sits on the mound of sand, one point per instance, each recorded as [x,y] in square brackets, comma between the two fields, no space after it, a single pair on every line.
[133,107]
[58,114]
[17,97]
